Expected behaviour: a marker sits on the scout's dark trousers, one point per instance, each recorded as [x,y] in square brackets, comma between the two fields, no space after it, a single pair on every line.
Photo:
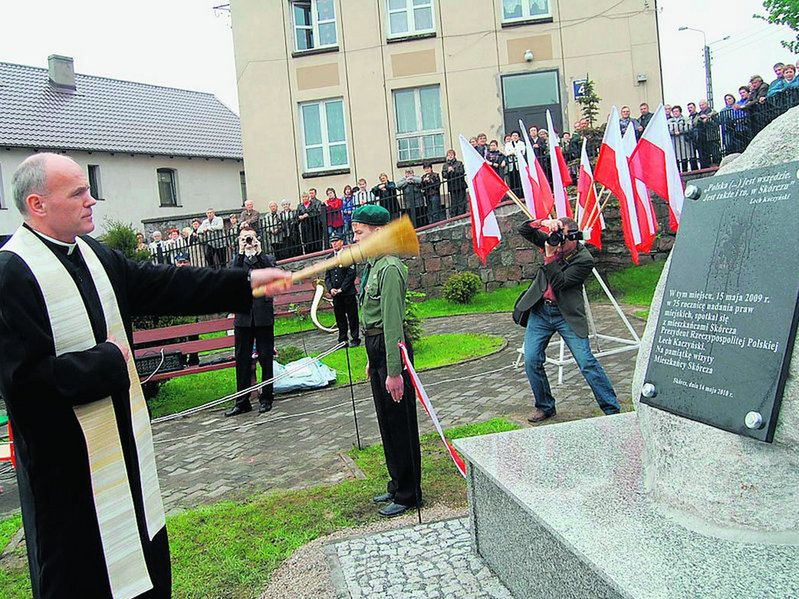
[345,307]
[399,428]
[264,338]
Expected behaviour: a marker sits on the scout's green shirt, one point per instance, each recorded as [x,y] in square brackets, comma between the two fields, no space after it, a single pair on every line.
[382,303]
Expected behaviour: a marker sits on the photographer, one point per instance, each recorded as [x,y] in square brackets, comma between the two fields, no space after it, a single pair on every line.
[258,324]
[554,302]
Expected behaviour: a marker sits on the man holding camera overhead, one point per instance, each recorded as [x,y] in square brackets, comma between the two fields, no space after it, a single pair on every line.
[258,324]
[554,302]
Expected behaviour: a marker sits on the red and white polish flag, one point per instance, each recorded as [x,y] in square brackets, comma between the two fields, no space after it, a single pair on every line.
[559,168]
[647,221]
[537,192]
[613,171]
[486,190]
[587,194]
[655,163]
[421,395]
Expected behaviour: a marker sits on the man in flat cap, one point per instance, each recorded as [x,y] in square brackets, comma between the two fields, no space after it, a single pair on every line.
[340,282]
[382,303]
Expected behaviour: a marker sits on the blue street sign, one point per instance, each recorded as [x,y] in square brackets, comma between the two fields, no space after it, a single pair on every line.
[579,88]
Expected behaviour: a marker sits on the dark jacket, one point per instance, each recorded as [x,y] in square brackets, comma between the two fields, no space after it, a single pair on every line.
[566,276]
[431,185]
[755,95]
[262,312]
[645,118]
[456,180]
[341,277]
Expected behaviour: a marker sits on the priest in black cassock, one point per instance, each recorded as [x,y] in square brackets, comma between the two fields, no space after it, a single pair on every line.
[91,504]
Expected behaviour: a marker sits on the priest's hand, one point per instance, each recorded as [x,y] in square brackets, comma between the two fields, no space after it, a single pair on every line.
[269,281]
[122,349]
[395,387]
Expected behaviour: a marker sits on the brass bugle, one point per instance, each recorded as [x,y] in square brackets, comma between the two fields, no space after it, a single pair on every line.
[397,238]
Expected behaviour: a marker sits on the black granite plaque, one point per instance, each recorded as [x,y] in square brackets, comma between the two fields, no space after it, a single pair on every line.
[727,324]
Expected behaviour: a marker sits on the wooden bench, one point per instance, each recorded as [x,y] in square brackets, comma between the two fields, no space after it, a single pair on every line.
[182,340]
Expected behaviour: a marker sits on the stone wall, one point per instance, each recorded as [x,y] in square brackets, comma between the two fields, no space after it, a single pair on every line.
[447,249]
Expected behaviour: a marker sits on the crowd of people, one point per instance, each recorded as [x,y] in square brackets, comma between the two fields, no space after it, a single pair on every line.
[701,136]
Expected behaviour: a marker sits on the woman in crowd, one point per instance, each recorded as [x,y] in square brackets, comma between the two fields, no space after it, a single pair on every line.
[386,194]
[140,245]
[454,174]
[347,206]
[734,126]
[788,81]
[335,218]
[680,130]
[495,158]
[309,212]
[512,145]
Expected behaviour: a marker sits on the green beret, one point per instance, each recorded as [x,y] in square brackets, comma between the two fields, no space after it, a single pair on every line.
[371,214]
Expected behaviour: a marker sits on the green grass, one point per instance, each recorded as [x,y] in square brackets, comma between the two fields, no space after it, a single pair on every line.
[230,549]
[633,285]
[186,392]
[8,528]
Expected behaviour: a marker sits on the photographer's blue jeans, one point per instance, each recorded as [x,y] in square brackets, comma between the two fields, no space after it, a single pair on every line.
[544,321]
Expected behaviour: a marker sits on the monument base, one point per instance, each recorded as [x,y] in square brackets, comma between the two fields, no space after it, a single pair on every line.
[560,511]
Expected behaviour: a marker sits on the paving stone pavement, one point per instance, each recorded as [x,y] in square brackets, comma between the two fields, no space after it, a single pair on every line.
[302,441]
[426,561]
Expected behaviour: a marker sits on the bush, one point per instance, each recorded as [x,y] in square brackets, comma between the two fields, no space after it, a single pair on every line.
[462,287]
[413,322]
[290,353]
[122,237]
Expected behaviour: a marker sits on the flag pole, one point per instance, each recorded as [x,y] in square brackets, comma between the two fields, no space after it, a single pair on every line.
[596,216]
[520,204]
[588,216]
[576,203]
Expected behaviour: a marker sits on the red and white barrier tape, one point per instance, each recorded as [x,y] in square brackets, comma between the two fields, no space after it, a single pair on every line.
[428,407]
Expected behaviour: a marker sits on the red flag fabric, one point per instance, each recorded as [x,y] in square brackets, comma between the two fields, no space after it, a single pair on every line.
[655,163]
[645,211]
[537,192]
[562,204]
[586,207]
[613,171]
[486,191]
[565,175]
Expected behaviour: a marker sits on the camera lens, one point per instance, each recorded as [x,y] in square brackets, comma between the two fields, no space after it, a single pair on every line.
[555,238]
[248,239]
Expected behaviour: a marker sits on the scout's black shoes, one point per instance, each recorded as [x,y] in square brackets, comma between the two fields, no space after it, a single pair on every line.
[384,498]
[394,509]
[236,410]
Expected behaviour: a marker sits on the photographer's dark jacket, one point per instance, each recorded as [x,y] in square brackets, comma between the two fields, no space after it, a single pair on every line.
[566,276]
[262,312]
[341,277]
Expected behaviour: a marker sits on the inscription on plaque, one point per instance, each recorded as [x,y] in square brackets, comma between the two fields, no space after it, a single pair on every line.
[727,323]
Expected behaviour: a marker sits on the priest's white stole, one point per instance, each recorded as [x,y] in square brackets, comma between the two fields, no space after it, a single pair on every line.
[72,332]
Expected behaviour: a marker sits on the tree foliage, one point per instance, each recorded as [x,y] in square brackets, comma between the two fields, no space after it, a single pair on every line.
[783,12]
[590,102]
[122,237]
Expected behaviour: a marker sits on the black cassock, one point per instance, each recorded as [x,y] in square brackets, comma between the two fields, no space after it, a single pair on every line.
[65,552]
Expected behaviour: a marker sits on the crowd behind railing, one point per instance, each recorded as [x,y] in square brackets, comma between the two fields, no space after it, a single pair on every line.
[701,138]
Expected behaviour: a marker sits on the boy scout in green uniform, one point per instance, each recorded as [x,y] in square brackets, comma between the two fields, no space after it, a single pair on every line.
[382,304]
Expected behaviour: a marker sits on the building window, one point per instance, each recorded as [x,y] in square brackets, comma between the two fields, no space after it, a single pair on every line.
[314,24]
[410,17]
[523,10]
[168,186]
[2,195]
[243,183]
[420,132]
[94,181]
[324,135]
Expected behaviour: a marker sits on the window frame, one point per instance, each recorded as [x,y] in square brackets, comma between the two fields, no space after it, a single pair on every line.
[525,18]
[325,145]
[243,186]
[411,20]
[2,191]
[95,181]
[313,27]
[173,184]
[419,133]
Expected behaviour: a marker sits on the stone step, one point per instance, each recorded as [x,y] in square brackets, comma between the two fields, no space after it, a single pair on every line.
[560,511]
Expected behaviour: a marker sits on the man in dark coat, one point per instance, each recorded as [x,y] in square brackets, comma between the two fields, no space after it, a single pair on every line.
[554,302]
[454,174]
[257,323]
[91,504]
[340,282]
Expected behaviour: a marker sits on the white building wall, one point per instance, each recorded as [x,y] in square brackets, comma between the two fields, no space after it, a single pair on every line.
[129,186]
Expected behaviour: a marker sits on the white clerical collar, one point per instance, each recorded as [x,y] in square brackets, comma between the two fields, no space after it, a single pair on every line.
[70,246]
